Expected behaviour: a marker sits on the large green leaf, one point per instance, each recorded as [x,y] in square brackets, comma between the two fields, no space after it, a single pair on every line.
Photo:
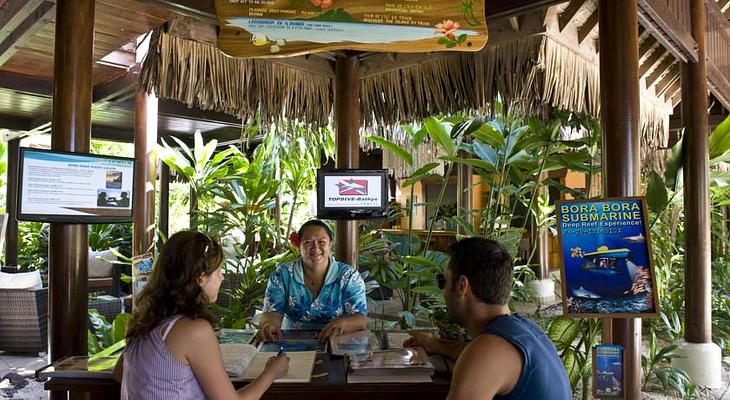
[563,331]
[486,153]
[720,178]
[572,365]
[474,162]
[420,260]
[119,326]
[488,135]
[656,192]
[674,166]
[420,174]
[438,132]
[719,141]
[391,147]
[510,240]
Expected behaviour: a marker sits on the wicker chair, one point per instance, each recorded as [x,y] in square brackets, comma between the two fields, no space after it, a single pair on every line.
[24,320]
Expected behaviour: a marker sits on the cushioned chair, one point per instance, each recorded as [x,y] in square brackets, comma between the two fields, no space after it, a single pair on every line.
[24,320]
[104,273]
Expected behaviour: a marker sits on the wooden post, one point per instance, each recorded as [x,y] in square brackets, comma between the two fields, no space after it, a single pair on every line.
[193,209]
[698,304]
[145,178]
[165,199]
[619,64]
[69,246]
[11,203]
[347,127]
[543,236]
[464,188]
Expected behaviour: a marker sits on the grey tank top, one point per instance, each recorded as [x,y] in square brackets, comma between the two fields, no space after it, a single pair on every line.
[152,372]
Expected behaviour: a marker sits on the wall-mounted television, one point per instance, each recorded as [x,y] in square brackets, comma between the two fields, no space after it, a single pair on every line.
[352,194]
[56,186]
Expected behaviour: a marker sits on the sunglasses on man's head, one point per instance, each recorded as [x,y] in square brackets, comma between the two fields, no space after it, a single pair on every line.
[441,280]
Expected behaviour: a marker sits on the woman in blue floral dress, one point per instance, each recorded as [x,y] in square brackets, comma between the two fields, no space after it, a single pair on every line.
[315,292]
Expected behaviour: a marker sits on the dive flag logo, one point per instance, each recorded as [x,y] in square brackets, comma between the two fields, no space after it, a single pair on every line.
[353,187]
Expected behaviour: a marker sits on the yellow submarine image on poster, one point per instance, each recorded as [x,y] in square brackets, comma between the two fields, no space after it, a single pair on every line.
[606,258]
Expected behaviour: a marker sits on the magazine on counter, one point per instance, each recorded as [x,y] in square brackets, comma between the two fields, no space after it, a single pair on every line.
[80,367]
[392,361]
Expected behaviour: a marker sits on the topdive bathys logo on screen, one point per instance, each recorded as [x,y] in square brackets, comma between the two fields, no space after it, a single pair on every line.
[353,187]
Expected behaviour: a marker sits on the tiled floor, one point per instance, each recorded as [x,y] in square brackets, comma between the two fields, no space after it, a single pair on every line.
[25,366]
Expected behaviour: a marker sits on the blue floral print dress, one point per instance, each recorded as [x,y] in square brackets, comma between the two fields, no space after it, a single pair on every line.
[343,294]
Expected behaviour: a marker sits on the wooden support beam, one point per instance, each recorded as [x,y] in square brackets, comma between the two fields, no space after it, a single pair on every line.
[347,128]
[672,89]
[506,8]
[68,243]
[34,22]
[567,15]
[118,89]
[660,70]
[11,193]
[652,60]
[175,109]
[659,19]
[202,10]
[723,4]
[25,84]
[514,22]
[164,211]
[669,78]
[14,123]
[588,26]
[646,45]
[620,115]
[145,176]
[698,273]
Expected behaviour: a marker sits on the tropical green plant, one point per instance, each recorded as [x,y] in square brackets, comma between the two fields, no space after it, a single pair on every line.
[33,246]
[247,293]
[574,340]
[104,335]
[111,236]
[200,166]
[657,368]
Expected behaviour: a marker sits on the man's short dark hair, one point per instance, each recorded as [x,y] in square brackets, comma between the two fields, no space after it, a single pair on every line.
[486,264]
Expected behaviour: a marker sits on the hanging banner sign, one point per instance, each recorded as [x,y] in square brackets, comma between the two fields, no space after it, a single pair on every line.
[277,28]
[606,258]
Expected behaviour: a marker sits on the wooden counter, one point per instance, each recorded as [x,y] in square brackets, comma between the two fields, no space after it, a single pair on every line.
[331,386]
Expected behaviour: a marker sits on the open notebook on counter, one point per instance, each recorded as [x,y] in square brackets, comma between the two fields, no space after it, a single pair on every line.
[245,362]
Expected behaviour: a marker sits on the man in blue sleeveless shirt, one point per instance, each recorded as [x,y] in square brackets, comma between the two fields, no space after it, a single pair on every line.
[510,357]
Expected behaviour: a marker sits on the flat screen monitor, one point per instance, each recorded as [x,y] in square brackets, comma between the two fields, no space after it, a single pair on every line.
[55,186]
[352,194]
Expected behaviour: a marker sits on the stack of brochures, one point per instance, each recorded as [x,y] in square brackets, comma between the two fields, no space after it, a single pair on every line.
[396,365]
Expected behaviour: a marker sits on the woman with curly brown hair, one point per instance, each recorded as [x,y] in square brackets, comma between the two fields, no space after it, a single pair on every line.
[172,350]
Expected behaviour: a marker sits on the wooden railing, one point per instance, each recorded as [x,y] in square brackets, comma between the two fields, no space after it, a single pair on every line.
[717,44]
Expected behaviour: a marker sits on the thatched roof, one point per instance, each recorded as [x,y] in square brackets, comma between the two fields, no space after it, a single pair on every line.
[528,72]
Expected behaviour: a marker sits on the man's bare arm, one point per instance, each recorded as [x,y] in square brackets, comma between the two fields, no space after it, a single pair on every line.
[489,366]
[448,348]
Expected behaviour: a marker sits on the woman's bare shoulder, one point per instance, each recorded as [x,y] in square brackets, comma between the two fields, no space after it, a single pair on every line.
[189,328]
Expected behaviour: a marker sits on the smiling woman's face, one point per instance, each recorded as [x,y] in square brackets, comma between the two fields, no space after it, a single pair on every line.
[315,246]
